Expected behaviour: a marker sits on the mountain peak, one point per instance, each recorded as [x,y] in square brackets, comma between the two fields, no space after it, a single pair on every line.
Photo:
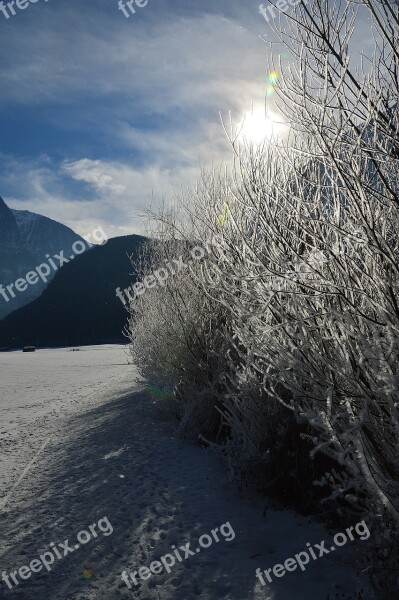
[3,204]
[25,240]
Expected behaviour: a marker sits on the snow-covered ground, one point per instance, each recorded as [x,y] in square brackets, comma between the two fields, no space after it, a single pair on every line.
[80,440]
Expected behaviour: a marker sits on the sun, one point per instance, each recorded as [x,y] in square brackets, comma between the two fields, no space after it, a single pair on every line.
[257,126]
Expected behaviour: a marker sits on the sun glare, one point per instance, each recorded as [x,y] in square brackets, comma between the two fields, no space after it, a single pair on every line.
[257,126]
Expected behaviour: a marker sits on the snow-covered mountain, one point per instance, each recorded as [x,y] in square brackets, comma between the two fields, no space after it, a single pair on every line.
[10,237]
[25,239]
[43,235]
[14,254]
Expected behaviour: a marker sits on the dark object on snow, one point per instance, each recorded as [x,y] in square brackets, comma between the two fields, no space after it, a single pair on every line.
[29,349]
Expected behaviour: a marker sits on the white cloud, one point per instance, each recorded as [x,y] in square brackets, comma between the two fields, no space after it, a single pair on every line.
[121,192]
[101,177]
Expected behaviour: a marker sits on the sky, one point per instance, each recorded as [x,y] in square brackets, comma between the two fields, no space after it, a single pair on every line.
[103,115]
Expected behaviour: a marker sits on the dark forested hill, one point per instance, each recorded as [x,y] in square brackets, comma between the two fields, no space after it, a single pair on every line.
[80,305]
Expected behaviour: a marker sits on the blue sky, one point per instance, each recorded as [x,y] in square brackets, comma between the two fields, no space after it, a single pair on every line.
[98,113]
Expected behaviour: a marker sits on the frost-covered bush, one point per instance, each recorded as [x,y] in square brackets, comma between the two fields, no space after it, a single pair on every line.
[177,335]
[289,326]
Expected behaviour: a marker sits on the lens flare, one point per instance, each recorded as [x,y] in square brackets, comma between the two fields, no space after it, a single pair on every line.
[88,574]
[273,77]
[222,218]
[158,393]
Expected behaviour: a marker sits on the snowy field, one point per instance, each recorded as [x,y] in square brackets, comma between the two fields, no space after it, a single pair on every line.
[81,441]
